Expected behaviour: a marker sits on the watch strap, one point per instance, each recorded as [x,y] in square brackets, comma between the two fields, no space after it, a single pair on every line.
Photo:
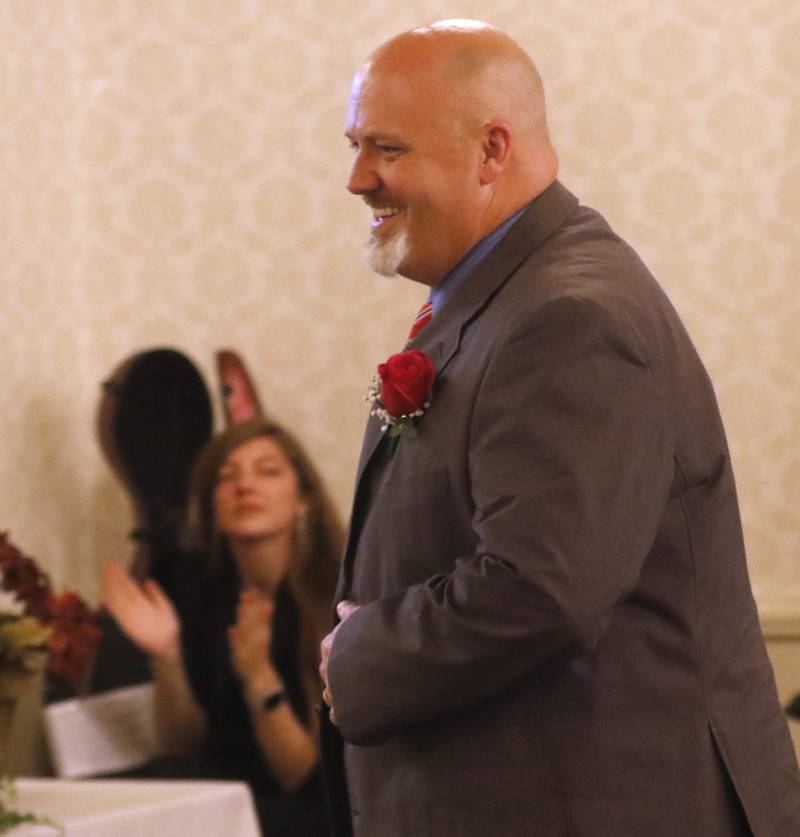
[271,700]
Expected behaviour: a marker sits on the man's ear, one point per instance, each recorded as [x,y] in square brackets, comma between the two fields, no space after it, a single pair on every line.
[495,151]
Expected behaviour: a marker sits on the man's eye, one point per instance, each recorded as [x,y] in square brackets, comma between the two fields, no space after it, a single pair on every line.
[389,149]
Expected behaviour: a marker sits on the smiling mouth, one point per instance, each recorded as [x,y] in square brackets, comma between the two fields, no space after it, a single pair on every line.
[381,214]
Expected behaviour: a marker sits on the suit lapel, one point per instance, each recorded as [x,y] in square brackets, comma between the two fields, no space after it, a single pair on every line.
[441,338]
[372,437]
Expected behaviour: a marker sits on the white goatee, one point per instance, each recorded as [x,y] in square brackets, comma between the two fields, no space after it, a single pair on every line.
[385,257]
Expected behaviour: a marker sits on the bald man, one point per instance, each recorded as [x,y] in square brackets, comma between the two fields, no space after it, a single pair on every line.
[546,624]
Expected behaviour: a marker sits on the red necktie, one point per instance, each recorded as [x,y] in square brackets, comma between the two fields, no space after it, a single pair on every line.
[423,318]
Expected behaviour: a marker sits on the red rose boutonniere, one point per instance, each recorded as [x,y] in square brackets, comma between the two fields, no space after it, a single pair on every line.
[401,392]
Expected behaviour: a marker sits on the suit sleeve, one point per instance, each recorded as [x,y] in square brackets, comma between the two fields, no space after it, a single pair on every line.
[570,461]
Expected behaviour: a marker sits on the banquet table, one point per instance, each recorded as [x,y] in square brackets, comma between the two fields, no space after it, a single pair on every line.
[136,808]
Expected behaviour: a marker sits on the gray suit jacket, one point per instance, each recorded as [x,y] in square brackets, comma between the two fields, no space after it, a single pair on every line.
[557,633]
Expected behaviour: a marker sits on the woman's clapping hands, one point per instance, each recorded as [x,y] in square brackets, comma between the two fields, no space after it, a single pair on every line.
[250,639]
[143,611]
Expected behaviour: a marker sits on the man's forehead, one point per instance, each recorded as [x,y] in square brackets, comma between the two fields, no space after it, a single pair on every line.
[380,79]
[384,98]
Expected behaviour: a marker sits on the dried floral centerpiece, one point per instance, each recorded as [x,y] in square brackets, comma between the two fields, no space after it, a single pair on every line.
[57,629]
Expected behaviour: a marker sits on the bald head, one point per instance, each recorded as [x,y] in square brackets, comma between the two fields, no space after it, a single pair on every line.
[477,72]
[448,125]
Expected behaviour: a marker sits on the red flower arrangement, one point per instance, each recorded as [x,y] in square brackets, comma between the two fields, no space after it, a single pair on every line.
[70,634]
[401,392]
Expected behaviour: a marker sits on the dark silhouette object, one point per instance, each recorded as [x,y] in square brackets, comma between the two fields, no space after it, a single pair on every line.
[154,419]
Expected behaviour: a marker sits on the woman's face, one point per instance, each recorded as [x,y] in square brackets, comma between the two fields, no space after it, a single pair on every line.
[257,493]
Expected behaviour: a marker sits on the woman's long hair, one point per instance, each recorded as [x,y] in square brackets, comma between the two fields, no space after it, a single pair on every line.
[317,542]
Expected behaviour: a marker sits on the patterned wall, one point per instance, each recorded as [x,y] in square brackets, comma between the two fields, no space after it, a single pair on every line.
[173,175]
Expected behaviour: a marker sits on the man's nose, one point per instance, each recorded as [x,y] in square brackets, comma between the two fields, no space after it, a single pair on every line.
[363,177]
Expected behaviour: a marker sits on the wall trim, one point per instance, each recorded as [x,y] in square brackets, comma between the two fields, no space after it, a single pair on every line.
[781,624]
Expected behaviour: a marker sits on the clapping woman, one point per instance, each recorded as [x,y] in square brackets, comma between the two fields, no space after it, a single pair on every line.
[235,655]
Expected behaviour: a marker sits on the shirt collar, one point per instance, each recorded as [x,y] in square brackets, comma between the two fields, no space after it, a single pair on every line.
[444,290]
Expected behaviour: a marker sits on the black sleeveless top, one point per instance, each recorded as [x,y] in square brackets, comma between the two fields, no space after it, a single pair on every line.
[207,608]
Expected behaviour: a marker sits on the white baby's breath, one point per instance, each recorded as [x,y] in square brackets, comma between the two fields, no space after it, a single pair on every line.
[394,426]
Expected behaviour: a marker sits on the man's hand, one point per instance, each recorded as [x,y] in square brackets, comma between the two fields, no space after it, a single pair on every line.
[345,609]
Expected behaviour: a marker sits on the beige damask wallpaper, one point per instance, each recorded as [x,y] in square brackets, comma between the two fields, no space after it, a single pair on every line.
[172,175]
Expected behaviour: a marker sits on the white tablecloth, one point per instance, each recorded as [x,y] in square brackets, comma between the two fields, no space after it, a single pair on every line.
[134,808]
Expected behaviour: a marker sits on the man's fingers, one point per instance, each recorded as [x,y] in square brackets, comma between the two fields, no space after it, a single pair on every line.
[326,696]
[325,651]
[346,609]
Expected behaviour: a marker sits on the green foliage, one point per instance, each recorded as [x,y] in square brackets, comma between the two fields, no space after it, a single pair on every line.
[10,817]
